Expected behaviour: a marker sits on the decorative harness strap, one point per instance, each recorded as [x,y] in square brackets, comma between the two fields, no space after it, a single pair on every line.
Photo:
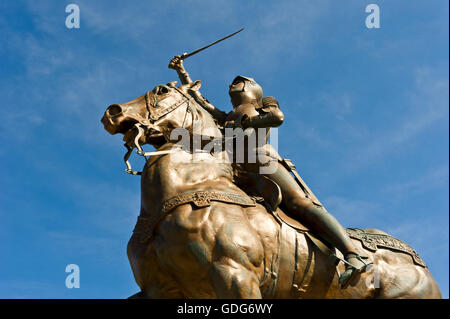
[157,114]
[372,242]
[200,199]
[152,117]
[203,199]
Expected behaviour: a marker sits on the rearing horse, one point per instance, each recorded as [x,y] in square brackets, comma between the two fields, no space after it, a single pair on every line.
[198,235]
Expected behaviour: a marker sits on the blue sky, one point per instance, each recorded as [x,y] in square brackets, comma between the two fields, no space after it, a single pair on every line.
[366,120]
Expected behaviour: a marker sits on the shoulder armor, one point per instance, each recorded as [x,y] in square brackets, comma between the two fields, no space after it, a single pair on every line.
[268,103]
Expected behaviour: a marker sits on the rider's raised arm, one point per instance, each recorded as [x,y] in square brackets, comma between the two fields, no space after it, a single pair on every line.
[219,115]
[177,64]
[270,115]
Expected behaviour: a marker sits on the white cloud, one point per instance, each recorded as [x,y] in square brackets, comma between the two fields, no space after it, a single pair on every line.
[424,234]
[352,212]
[437,178]
[428,104]
[282,29]
[27,289]
[338,104]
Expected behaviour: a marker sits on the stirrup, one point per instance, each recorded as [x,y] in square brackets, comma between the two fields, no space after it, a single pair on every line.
[344,281]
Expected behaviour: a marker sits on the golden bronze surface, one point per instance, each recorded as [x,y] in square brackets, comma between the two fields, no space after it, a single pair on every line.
[208,230]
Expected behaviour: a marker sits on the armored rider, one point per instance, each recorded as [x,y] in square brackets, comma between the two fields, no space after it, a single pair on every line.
[252,111]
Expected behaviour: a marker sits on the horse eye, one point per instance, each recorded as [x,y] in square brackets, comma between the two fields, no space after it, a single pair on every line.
[161,89]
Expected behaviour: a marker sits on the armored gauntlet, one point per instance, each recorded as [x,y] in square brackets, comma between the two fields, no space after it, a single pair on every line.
[270,115]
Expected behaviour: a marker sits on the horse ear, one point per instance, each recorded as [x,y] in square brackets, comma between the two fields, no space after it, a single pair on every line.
[195,86]
[172,84]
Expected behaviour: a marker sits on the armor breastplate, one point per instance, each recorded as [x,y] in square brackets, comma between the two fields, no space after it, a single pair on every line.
[249,109]
[265,151]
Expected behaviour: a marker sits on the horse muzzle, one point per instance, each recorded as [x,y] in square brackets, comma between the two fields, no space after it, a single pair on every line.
[115,120]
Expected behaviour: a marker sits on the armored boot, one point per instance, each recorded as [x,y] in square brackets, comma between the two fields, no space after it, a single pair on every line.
[354,264]
[310,211]
[325,225]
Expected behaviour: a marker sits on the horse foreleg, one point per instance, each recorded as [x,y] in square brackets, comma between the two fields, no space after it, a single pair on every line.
[237,261]
[231,280]
[154,282]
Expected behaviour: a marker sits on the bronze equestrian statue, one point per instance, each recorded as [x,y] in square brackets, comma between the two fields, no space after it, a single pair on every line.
[199,235]
[249,111]
[214,226]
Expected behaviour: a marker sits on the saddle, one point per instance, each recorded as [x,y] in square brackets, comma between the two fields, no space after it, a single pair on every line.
[269,195]
[266,192]
[372,241]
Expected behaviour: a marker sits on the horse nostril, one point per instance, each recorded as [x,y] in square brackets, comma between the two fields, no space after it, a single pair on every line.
[114,109]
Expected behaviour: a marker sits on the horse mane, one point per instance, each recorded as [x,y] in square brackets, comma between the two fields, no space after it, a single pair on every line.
[203,123]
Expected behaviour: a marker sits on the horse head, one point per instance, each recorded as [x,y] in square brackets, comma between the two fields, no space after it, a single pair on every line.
[151,118]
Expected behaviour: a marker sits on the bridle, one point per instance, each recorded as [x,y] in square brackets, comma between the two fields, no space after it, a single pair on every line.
[159,113]
[152,117]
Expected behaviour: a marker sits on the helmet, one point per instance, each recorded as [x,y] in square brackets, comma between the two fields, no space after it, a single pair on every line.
[245,90]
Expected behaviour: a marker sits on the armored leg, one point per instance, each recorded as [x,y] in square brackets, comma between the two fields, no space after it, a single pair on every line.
[318,220]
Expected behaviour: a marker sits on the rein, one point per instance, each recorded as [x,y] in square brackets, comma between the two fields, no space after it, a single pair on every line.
[155,116]
[152,118]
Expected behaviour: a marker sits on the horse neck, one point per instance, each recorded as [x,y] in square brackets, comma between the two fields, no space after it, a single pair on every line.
[181,171]
[184,169]
[202,123]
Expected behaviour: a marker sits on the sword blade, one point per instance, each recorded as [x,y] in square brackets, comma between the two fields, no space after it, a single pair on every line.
[187,55]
